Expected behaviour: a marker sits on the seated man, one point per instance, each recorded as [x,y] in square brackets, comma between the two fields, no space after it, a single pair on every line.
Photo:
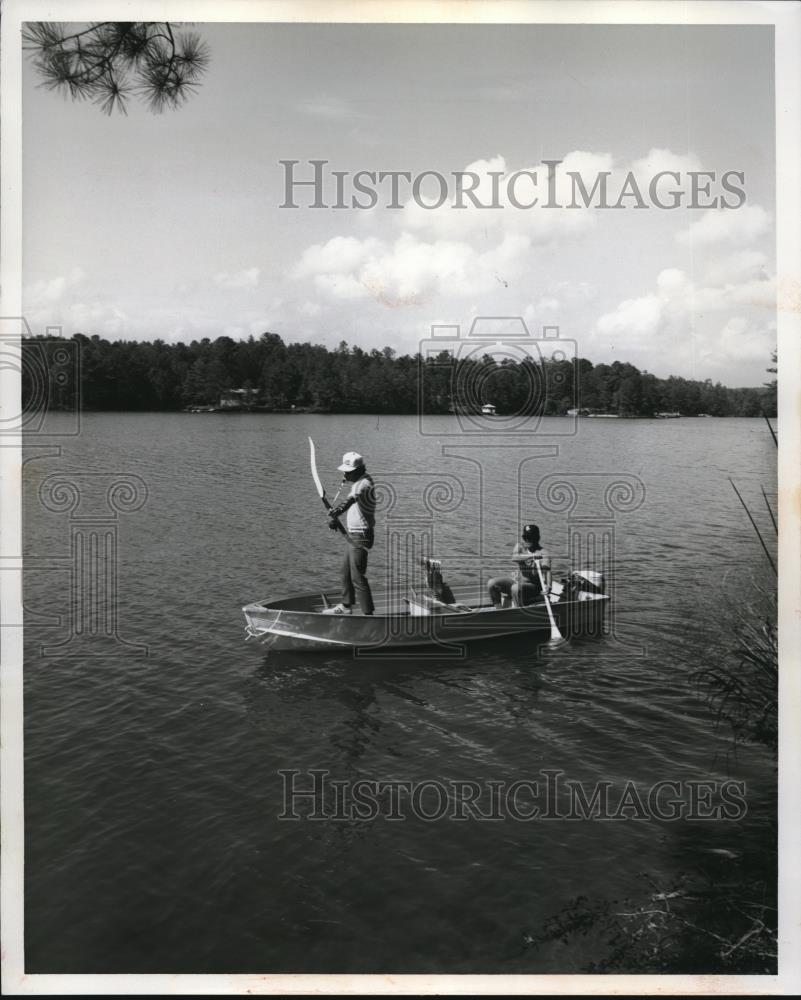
[526,588]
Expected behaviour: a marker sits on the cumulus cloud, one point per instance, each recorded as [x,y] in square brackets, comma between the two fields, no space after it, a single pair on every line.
[741,340]
[339,255]
[494,182]
[658,160]
[674,325]
[637,319]
[246,278]
[448,250]
[720,225]
[488,258]
[462,249]
[677,297]
[340,286]
[409,270]
[544,311]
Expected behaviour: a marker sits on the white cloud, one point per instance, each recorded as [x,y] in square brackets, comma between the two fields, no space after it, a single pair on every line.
[634,319]
[340,286]
[543,311]
[658,160]
[89,317]
[674,325]
[741,342]
[493,179]
[677,297]
[412,268]
[673,283]
[721,225]
[476,255]
[338,256]
[69,302]
[448,250]
[246,278]
[409,270]
[470,250]
[494,182]
[51,289]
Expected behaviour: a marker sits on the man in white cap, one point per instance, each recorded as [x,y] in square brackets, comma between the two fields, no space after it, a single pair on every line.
[359,511]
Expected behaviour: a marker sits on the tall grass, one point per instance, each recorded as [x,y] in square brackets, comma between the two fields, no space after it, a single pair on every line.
[742,684]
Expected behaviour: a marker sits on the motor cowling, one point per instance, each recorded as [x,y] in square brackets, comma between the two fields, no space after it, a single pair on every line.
[584,584]
[590,580]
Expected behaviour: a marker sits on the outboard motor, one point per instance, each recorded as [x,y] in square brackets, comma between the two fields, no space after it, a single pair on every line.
[591,581]
[583,584]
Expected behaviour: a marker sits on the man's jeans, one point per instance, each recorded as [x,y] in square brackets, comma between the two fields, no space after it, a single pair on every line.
[354,568]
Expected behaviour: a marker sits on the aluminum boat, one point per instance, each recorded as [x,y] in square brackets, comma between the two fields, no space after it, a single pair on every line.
[407,620]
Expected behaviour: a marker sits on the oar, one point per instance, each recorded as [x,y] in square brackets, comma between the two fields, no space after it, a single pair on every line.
[321,490]
[556,636]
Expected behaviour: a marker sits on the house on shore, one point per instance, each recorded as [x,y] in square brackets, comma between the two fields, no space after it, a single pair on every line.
[237,399]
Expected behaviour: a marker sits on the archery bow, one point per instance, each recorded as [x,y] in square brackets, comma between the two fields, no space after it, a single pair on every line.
[321,489]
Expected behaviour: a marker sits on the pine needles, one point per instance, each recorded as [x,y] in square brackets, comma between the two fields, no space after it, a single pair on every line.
[108,62]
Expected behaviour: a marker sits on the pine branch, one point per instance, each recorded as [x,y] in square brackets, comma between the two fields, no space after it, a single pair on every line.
[109,61]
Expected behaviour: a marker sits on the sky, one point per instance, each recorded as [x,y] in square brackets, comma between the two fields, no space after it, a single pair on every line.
[169,226]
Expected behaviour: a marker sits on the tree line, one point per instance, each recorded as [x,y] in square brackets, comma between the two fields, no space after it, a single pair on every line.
[131,375]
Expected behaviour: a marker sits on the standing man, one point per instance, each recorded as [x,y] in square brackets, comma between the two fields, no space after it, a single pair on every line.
[359,511]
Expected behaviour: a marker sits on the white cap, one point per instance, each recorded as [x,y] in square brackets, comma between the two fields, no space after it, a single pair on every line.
[351,460]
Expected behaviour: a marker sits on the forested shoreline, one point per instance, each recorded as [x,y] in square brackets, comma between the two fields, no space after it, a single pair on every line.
[154,375]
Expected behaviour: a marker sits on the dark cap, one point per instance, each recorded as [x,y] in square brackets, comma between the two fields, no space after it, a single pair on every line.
[531,531]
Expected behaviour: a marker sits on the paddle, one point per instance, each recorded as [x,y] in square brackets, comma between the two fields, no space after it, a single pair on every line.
[556,636]
[321,490]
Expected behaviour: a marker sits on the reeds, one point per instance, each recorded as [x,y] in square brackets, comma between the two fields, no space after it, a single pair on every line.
[742,685]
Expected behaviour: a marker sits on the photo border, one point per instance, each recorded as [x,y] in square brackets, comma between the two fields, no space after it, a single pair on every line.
[786,17]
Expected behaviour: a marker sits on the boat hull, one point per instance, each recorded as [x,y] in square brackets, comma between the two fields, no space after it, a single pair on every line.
[299,624]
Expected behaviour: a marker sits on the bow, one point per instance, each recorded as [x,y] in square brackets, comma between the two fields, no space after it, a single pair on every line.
[321,488]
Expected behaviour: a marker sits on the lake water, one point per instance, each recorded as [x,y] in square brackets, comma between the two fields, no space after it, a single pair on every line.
[153,842]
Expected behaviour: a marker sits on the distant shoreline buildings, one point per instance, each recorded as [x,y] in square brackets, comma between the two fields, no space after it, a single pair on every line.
[266,375]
